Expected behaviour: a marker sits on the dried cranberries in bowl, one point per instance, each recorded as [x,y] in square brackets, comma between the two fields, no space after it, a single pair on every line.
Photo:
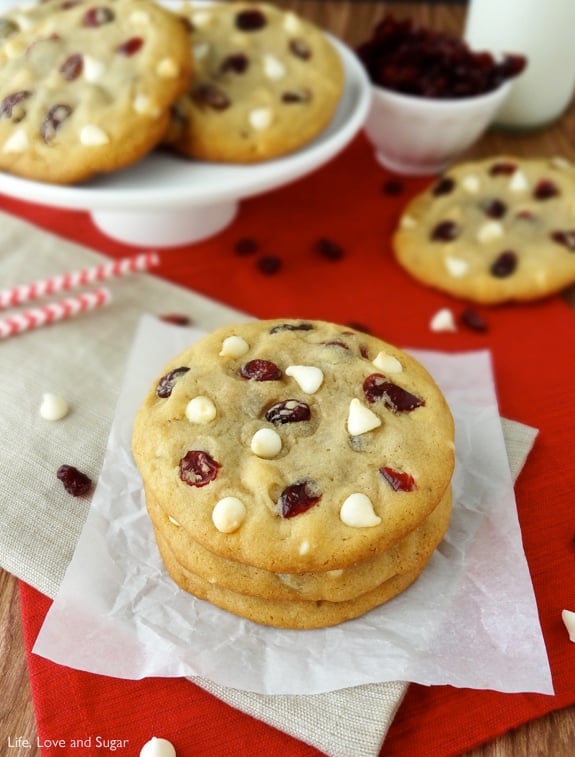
[413,60]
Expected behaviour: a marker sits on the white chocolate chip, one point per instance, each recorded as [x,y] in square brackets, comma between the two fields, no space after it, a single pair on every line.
[304,548]
[17,142]
[156,747]
[561,163]
[260,118]
[145,106]
[173,521]
[228,514]
[53,407]
[456,266]
[568,618]
[266,443]
[443,320]
[518,182]
[488,231]
[200,18]
[470,183]
[387,363]
[234,346]
[92,136]
[201,50]
[167,68]
[361,419]
[308,377]
[407,222]
[273,67]
[291,22]
[200,409]
[357,511]
[139,17]
[92,68]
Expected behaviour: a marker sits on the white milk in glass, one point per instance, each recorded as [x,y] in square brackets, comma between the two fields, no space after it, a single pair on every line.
[543,31]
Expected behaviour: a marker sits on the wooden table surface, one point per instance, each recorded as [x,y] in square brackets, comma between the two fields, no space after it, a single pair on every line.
[351,21]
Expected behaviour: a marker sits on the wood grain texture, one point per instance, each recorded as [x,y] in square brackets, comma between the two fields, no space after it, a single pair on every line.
[351,21]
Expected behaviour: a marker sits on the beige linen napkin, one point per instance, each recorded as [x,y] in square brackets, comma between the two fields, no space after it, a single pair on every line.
[83,360]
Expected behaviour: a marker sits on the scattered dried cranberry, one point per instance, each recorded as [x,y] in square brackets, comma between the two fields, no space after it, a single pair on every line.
[398,480]
[545,190]
[377,387]
[298,498]
[212,96]
[72,67]
[167,382]
[336,343]
[197,468]
[329,249]
[444,186]
[236,63]
[566,238]
[525,215]
[53,121]
[392,187]
[246,246]
[504,265]
[11,100]
[288,411]
[261,370]
[445,231]
[97,17]
[250,20]
[473,320]
[130,46]
[75,482]
[300,49]
[494,208]
[303,326]
[269,264]
[502,169]
[176,319]
[301,96]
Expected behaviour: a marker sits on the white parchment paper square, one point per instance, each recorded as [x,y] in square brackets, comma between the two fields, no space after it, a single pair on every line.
[470,620]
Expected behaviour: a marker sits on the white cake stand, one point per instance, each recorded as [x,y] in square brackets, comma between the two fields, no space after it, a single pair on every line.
[167,201]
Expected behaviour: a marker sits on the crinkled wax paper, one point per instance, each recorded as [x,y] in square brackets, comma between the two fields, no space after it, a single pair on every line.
[470,620]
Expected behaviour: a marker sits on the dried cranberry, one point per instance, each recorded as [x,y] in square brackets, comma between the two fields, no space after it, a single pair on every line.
[53,121]
[300,49]
[237,63]
[445,231]
[494,208]
[250,20]
[130,46]
[167,382]
[336,343]
[303,326]
[212,96]
[176,319]
[301,96]
[72,67]
[392,187]
[329,249]
[288,411]
[545,190]
[261,370]
[377,387]
[246,246]
[11,100]
[473,320]
[398,480]
[566,238]
[525,215]
[444,186]
[502,169]
[97,17]
[504,265]
[269,264]
[298,498]
[197,468]
[75,482]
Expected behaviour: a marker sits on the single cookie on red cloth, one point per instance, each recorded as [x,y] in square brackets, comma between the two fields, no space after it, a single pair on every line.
[493,231]
[279,457]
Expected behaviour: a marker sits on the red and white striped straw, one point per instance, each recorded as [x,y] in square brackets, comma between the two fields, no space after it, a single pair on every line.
[35,318]
[23,293]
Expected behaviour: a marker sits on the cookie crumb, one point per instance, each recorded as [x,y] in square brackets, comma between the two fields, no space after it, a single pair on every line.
[443,320]
[568,617]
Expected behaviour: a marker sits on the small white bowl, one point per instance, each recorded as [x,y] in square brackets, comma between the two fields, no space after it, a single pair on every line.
[420,136]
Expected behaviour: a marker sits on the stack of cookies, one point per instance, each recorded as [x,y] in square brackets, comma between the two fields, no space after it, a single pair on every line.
[90,87]
[296,473]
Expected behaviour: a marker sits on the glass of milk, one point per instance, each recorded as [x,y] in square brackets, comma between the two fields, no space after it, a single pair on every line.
[543,31]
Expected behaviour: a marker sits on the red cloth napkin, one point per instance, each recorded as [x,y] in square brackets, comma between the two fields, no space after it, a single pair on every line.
[355,203]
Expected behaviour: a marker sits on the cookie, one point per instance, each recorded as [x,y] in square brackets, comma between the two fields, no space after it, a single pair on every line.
[295,461]
[87,88]
[266,83]
[493,231]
